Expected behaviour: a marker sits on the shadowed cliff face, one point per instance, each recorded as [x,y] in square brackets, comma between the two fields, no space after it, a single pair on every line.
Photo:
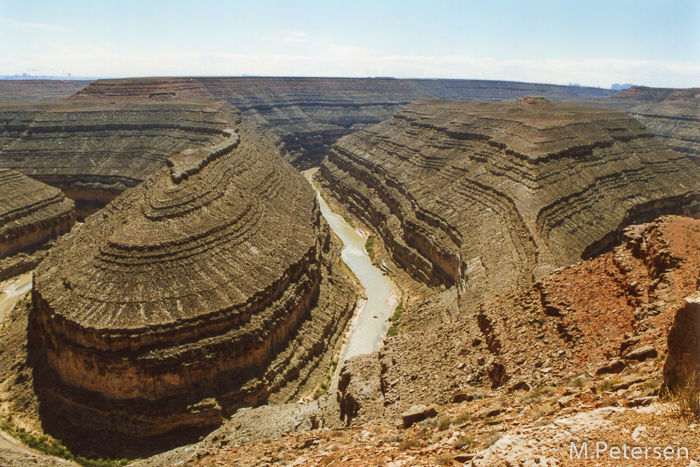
[202,290]
[486,196]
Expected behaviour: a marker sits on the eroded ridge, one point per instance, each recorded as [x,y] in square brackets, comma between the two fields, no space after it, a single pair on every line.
[486,196]
[94,151]
[188,297]
[31,214]
[310,114]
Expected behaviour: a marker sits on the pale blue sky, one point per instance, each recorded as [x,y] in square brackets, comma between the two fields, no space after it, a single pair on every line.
[596,43]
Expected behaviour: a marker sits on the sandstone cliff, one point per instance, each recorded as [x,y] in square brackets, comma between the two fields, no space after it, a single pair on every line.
[213,285]
[487,196]
[31,214]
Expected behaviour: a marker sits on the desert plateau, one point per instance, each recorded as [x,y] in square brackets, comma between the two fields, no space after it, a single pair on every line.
[378,235]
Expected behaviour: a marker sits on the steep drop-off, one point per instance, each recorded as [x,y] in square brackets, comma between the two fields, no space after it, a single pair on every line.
[31,214]
[310,114]
[93,152]
[211,286]
[487,196]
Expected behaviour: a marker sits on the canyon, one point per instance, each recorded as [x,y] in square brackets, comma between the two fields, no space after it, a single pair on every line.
[483,197]
[203,300]
[213,285]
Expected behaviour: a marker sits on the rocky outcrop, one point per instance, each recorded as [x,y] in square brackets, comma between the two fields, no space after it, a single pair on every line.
[310,114]
[592,317]
[487,196]
[211,286]
[93,152]
[683,361]
[31,214]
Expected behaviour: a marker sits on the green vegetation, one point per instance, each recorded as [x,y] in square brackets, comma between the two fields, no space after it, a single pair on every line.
[369,246]
[394,329]
[349,220]
[53,447]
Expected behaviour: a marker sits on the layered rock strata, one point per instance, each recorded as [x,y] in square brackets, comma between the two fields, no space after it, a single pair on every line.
[310,114]
[673,114]
[211,286]
[93,152]
[487,196]
[31,214]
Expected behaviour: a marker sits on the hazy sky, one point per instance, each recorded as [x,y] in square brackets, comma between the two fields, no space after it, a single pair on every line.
[596,43]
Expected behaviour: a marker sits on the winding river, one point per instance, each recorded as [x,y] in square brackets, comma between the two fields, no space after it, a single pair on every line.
[371,320]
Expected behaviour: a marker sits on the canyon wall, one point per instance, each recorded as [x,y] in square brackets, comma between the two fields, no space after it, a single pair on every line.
[31,214]
[211,286]
[93,152]
[487,196]
[673,114]
[310,114]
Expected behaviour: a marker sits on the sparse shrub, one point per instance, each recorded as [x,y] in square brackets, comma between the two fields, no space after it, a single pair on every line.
[349,220]
[444,423]
[430,422]
[444,459]
[392,439]
[369,246]
[394,329]
[409,443]
[491,437]
[683,400]
[464,442]
[463,418]
[543,411]
[543,422]
[530,398]
[607,385]
[548,391]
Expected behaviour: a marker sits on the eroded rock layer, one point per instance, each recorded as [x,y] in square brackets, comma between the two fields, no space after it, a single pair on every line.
[310,114]
[31,214]
[93,152]
[673,114]
[486,196]
[202,290]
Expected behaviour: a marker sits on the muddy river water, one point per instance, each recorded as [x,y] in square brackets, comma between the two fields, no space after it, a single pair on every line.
[370,322]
